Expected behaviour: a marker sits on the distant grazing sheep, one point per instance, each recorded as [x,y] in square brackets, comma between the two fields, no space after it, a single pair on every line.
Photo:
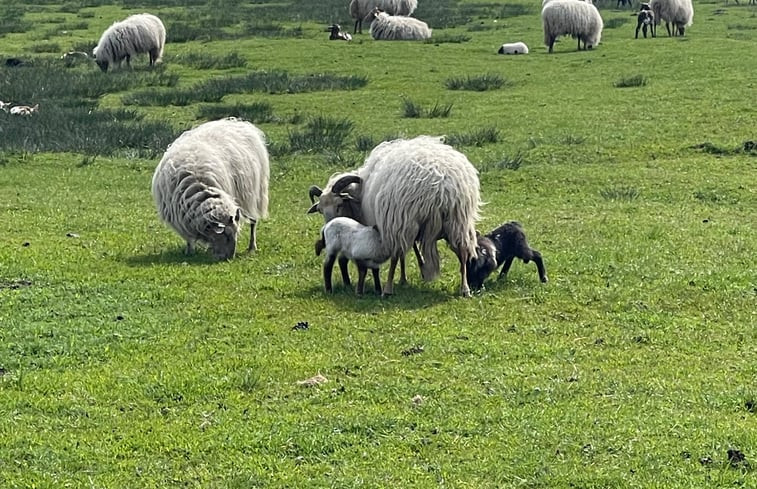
[361,10]
[337,34]
[208,179]
[644,21]
[387,27]
[416,189]
[502,246]
[349,240]
[140,33]
[570,17]
[513,48]
[677,14]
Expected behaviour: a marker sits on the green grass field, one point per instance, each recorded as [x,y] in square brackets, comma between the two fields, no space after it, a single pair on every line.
[125,364]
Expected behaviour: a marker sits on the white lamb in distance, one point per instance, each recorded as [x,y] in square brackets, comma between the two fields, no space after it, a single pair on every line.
[24,109]
[347,239]
[513,48]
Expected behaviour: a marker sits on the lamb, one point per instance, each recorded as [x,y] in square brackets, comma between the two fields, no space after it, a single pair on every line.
[208,179]
[513,48]
[677,14]
[644,20]
[416,189]
[140,33]
[24,109]
[387,27]
[337,34]
[4,106]
[71,58]
[502,245]
[363,9]
[578,19]
[349,240]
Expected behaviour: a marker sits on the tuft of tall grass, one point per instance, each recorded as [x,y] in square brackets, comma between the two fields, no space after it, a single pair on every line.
[623,193]
[413,110]
[256,112]
[321,134]
[477,137]
[480,83]
[631,81]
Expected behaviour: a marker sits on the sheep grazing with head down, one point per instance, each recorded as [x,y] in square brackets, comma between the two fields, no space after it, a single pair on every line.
[513,48]
[347,239]
[412,190]
[387,27]
[677,14]
[361,10]
[208,179]
[645,21]
[137,34]
[502,246]
[571,17]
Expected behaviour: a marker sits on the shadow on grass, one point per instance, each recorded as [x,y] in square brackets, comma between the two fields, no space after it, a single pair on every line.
[409,297]
[176,257]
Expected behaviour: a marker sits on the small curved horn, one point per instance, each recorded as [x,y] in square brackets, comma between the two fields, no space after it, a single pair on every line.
[343,182]
[314,192]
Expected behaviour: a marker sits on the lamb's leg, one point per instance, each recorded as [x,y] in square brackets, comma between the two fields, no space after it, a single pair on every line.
[253,236]
[344,268]
[638,24]
[536,257]
[464,287]
[361,271]
[506,267]
[389,284]
[376,280]
[327,268]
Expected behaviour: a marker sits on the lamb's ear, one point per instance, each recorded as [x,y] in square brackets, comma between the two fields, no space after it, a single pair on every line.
[313,208]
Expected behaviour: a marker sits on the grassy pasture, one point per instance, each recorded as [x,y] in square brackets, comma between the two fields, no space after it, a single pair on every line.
[632,167]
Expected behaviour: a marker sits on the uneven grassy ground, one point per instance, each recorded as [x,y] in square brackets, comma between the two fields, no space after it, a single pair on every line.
[125,364]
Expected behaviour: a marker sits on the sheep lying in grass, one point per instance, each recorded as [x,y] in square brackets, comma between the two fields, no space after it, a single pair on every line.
[645,20]
[208,179]
[513,48]
[361,10]
[387,27]
[141,33]
[570,17]
[24,109]
[502,246]
[337,34]
[347,239]
[677,14]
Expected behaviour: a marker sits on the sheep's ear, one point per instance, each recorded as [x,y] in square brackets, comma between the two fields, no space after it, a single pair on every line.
[313,208]
[218,228]
[236,217]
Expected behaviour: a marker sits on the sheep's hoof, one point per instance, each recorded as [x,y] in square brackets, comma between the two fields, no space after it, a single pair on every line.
[465,291]
[544,280]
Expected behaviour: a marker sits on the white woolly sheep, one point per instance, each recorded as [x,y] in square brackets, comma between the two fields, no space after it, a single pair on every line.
[337,34]
[349,240]
[387,27]
[644,21]
[677,14]
[571,17]
[24,109]
[361,10]
[416,189]
[208,179]
[502,246]
[513,48]
[140,33]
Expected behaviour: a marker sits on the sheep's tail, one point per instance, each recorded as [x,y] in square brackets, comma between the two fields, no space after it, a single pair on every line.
[431,267]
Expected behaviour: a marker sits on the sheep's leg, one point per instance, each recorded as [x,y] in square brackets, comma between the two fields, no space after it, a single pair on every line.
[667,28]
[579,43]
[190,248]
[357,22]
[327,268]
[376,280]
[389,284]
[551,43]
[361,271]
[536,257]
[506,267]
[403,275]
[253,236]
[638,24]
[344,268]
[464,287]
[128,61]
[418,256]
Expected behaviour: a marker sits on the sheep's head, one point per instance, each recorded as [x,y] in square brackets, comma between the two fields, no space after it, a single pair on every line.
[483,264]
[221,228]
[341,201]
[102,64]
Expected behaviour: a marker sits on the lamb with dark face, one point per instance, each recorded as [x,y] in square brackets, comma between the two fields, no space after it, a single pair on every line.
[506,243]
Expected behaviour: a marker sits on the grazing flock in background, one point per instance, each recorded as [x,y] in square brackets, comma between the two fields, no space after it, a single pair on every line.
[409,193]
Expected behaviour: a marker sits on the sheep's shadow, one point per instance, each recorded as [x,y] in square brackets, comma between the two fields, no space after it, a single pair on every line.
[175,257]
[408,297]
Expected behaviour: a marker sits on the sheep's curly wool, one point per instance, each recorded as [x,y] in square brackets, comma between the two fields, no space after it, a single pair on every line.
[140,33]
[570,17]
